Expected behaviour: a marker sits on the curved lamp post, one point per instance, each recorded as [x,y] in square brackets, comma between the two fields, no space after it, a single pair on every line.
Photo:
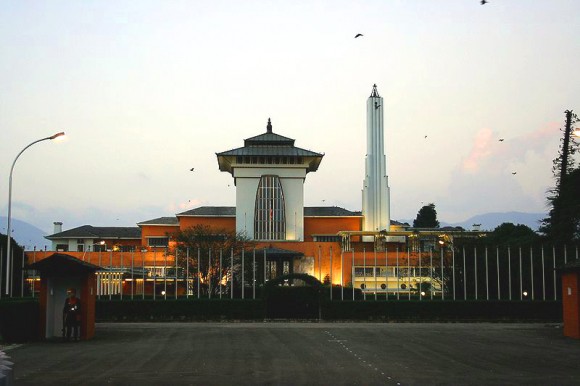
[8,256]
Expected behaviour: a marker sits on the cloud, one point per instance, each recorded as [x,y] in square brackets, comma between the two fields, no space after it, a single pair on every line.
[483,180]
[479,152]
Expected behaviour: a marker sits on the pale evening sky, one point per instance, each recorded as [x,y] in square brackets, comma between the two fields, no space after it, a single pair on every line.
[146,90]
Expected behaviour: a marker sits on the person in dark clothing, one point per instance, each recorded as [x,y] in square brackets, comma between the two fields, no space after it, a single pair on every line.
[71,315]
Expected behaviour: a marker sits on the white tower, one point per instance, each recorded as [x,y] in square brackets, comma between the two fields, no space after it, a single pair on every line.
[375,194]
[269,173]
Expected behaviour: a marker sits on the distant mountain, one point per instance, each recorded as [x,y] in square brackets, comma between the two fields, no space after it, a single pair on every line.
[489,221]
[25,234]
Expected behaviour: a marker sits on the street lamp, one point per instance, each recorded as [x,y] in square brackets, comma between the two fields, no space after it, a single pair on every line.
[8,257]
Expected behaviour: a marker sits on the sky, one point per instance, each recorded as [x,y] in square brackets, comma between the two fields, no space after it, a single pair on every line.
[147,90]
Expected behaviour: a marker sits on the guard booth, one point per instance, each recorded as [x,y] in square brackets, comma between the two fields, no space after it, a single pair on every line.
[58,272]
[571,298]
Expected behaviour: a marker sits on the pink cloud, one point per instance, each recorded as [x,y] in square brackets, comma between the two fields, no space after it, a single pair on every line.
[479,152]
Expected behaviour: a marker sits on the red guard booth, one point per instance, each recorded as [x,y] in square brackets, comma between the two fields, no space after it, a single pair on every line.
[58,272]
[571,298]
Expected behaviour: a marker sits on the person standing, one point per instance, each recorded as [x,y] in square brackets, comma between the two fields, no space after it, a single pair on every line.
[71,314]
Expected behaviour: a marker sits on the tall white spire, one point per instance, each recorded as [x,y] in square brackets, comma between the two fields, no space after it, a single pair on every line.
[375,194]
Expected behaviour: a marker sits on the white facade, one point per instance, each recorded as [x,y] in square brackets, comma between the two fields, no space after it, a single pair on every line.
[292,180]
[269,174]
[375,194]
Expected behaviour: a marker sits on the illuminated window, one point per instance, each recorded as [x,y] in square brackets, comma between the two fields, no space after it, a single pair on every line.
[158,242]
[270,216]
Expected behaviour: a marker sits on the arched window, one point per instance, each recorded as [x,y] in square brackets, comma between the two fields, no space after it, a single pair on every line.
[270,215]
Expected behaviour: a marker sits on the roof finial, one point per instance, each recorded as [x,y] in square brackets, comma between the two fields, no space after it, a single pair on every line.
[269,127]
[375,93]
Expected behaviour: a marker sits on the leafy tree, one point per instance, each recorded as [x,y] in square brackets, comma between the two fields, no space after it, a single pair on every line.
[426,217]
[563,223]
[508,234]
[17,252]
[200,246]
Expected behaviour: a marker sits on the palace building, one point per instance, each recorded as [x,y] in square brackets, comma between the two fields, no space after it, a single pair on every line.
[363,249]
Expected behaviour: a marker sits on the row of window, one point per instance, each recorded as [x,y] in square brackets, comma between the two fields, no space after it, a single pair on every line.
[327,239]
[269,160]
[391,272]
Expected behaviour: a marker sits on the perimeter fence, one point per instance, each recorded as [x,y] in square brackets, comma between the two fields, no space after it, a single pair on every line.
[514,273]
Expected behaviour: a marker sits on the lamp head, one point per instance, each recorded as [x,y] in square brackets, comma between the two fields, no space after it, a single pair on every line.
[56,135]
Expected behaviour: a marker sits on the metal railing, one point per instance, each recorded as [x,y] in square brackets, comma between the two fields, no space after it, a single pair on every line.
[448,273]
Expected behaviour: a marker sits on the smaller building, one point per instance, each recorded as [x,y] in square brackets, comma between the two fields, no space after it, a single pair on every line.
[88,238]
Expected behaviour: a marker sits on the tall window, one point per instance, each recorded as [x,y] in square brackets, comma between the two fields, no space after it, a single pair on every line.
[270,216]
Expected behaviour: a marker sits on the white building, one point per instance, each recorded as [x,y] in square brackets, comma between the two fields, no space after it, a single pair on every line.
[269,173]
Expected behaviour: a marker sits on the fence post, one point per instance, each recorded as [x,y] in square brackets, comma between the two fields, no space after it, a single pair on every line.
[209,273]
[198,272]
[453,263]
[510,272]
[464,277]
[364,275]
[331,273]
[486,275]
[498,279]
[532,272]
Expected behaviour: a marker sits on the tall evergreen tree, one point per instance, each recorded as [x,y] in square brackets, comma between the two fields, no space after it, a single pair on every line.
[427,217]
[563,223]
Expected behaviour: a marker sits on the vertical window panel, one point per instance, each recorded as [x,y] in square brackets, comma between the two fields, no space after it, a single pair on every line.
[269,216]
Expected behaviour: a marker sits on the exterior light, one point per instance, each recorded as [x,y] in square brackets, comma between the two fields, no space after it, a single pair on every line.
[8,230]
[577,132]
[525,293]
[422,293]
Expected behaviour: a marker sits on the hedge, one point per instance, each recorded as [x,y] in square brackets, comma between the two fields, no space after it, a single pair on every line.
[19,320]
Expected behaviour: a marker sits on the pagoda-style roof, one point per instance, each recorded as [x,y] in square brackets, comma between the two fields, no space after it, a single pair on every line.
[269,149]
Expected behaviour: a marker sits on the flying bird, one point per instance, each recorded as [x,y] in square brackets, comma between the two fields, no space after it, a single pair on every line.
[514,172]
[191,169]
[425,136]
[358,35]
[483,2]
[501,139]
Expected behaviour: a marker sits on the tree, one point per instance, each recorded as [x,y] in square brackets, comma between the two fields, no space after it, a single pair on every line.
[508,234]
[426,217]
[16,273]
[563,223]
[200,246]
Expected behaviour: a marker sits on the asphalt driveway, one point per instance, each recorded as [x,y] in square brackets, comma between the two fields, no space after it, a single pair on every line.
[305,354]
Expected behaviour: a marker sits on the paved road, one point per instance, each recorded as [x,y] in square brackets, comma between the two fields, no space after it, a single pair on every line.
[305,354]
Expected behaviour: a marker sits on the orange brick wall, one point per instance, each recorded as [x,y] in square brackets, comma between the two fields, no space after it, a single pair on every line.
[156,230]
[321,252]
[329,225]
[227,223]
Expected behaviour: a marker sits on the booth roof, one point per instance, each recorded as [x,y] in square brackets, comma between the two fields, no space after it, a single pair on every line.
[60,264]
